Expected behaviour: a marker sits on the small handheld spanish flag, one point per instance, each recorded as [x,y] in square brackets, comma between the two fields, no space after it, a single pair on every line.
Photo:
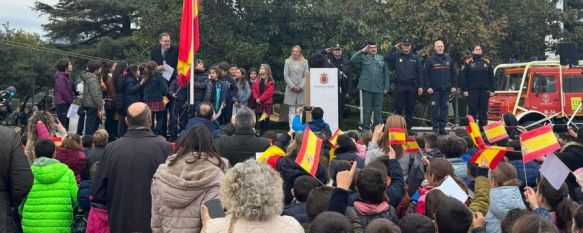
[474,132]
[495,132]
[271,151]
[492,154]
[411,145]
[397,136]
[263,116]
[333,140]
[309,155]
[538,142]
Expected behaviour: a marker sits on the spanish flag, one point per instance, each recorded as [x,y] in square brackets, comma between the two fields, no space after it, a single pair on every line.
[189,39]
[263,116]
[492,154]
[309,155]
[495,132]
[271,151]
[538,142]
[333,140]
[411,145]
[397,136]
[474,132]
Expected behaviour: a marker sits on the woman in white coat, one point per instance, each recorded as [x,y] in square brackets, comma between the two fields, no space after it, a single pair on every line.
[295,73]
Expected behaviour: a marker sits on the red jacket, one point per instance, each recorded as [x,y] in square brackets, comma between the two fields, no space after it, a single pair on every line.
[75,159]
[267,96]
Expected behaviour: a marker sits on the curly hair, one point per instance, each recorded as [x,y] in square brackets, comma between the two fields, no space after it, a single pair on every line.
[248,192]
[452,146]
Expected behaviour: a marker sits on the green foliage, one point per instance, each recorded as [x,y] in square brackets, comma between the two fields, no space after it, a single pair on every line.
[86,21]
[21,66]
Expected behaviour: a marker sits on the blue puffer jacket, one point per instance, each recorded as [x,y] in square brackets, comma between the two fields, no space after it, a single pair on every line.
[531,171]
[459,167]
[317,125]
[502,200]
[83,195]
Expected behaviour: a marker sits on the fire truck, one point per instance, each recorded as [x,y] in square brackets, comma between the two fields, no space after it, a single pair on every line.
[538,91]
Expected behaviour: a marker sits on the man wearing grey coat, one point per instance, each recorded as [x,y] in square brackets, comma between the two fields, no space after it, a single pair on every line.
[295,72]
[373,83]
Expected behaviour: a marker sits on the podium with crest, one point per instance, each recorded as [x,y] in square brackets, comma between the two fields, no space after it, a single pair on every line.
[322,92]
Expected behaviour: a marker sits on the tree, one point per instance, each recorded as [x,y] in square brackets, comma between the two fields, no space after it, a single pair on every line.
[35,70]
[86,21]
[459,24]
[528,24]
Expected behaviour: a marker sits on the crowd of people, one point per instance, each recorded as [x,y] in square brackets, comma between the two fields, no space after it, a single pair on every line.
[141,183]
[152,169]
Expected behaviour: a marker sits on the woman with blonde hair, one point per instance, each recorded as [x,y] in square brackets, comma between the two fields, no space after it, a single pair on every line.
[295,73]
[252,202]
[410,162]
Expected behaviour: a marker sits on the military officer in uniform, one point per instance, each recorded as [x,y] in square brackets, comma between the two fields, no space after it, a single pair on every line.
[478,85]
[373,82]
[333,58]
[408,79]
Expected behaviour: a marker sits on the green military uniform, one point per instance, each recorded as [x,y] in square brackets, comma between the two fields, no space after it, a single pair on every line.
[374,81]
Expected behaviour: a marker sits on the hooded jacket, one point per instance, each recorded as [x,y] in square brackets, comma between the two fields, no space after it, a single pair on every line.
[75,159]
[50,203]
[92,96]
[502,200]
[180,188]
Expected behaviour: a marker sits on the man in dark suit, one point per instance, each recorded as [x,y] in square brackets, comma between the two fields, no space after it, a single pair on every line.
[165,54]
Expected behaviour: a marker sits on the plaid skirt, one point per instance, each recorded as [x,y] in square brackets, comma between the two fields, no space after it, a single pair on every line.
[267,108]
[155,106]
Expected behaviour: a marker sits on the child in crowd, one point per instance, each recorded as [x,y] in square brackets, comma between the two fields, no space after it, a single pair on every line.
[316,204]
[50,203]
[302,187]
[453,147]
[87,143]
[430,147]
[70,154]
[360,146]
[262,94]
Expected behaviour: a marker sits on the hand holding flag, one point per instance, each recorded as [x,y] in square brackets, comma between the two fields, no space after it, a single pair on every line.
[309,155]
[538,142]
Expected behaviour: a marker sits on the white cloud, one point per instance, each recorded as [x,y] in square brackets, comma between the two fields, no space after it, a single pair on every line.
[20,15]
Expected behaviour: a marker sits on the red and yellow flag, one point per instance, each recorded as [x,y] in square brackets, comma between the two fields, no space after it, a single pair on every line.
[189,39]
[271,151]
[474,132]
[397,136]
[333,140]
[495,132]
[538,142]
[309,155]
[411,145]
[492,154]
[263,116]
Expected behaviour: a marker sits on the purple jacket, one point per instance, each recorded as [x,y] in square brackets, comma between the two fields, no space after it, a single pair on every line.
[63,88]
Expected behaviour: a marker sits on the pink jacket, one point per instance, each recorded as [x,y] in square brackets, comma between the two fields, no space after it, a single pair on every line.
[97,221]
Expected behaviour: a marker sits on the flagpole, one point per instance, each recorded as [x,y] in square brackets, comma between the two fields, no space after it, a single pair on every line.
[192,63]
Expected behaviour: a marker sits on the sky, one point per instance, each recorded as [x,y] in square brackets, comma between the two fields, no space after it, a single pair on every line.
[20,15]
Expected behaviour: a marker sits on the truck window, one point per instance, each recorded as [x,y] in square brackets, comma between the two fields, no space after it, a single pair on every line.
[544,84]
[508,82]
[573,84]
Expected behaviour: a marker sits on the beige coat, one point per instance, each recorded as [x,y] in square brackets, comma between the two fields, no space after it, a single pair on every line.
[179,190]
[277,224]
[295,73]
